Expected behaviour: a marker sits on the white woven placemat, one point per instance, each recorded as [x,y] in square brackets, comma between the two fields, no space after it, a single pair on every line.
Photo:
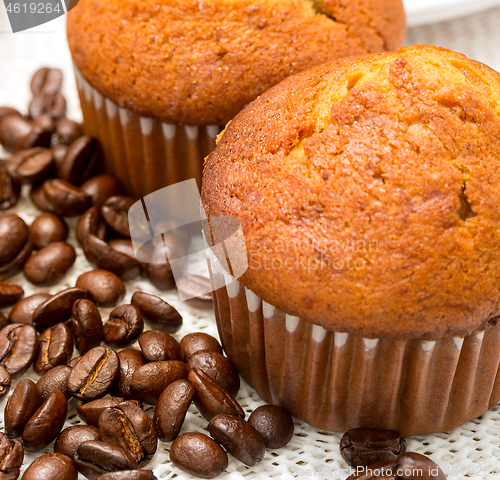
[472,451]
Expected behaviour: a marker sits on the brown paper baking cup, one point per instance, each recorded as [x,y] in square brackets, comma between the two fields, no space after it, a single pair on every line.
[144,153]
[338,381]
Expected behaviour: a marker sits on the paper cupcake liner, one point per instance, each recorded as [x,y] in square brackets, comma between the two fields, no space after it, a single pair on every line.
[337,381]
[144,153]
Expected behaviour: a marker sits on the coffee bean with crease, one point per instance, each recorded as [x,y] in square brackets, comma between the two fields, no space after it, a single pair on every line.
[22,311]
[94,375]
[64,198]
[157,313]
[128,475]
[87,325]
[14,233]
[211,399]
[50,264]
[91,411]
[124,326]
[58,307]
[48,228]
[54,379]
[130,427]
[11,457]
[46,423]
[90,223]
[17,348]
[66,132]
[53,105]
[55,347]
[274,424]
[196,290]
[197,341]
[171,409]
[106,287]
[17,133]
[101,187]
[10,293]
[361,447]
[115,213]
[51,466]
[46,81]
[5,382]
[198,455]
[219,368]
[9,190]
[21,405]
[157,346]
[79,161]
[130,361]
[31,165]
[71,438]
[93,458]
[151,379]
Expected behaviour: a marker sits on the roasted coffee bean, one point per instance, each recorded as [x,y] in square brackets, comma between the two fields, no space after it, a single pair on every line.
[197,342]
[124,326]
[130,361]
[211,399]
[94,375]
[274,424]
[17,133]
[198,455]
[10,293]
[37,196]
[11,457]
[30,166]
[115,213]
[54,379]
[53,105]
[100,254]
[17,348]
[129,475]
[93,458]
[48,228]
[160,275]
[14,233]
[4,111]
[362,447]
[157,313]
[238,437]
[87,325]
[217,367]
[46,81]
[80,159]
[13,267]
[74,361]
[129,426]
[50,264]
[106,287]
[157,346]
[196,289]
[58,307]
[101,187]
[55,347]
[71,438]
[90,223]
[22,311]
[171,409]
[64,198]
[5,381]
[46,423]
[151,379]
[66,132]
[21,405]
[124,245]
[45,122]
[58,153]
[91,411]
[9,190]
[51,466]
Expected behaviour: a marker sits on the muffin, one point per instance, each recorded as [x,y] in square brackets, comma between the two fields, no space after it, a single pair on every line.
[158,79]
[367,192]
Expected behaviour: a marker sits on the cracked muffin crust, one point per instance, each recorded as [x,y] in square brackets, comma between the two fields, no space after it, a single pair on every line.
[368,192]
[194,62]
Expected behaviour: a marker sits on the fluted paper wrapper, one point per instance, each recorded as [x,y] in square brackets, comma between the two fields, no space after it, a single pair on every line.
[144,153]
[338,381]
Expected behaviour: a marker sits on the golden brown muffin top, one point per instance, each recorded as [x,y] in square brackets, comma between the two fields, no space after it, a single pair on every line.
[369,193]
[200,62]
